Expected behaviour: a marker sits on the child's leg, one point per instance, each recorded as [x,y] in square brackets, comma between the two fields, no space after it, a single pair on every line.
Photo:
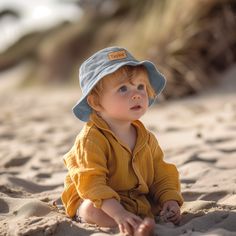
[93,215]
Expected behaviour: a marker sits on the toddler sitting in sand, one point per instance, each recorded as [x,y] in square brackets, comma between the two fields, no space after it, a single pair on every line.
[116,172]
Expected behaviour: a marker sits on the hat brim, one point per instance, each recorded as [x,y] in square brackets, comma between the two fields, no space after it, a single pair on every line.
[82,110]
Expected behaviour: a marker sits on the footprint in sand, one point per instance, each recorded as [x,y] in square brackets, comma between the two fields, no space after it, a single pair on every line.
[4,208]
[43,175]
[33,208]
[214,196]
[30,186]
[227,147]
[17,161]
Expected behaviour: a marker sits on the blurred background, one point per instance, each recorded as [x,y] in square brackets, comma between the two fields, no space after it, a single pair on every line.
[192,42]
[43,43]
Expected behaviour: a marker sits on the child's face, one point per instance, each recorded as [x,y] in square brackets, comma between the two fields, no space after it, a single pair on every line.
[125,99]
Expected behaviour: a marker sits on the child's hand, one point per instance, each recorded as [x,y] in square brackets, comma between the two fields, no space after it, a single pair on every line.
[171,212]
[127,222]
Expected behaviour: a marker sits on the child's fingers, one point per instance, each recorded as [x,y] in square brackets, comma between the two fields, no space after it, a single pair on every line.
[136,221]
[133,223]
[165,207]
[125,228]
[170,215]
[128,228]
[175,219]
[163,216]
[130,225]
[174,210]
[121,228]
[166,212]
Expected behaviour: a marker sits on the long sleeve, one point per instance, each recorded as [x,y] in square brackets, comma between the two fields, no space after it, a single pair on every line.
[87,165]
[166,185]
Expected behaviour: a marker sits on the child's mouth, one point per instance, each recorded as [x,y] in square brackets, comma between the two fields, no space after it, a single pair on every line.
[137,107]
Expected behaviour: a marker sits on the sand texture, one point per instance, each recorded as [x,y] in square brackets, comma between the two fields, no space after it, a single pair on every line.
[36,128]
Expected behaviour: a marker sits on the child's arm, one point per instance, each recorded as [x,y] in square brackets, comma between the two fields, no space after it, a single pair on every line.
[127,221]
[87,169]
[166,184]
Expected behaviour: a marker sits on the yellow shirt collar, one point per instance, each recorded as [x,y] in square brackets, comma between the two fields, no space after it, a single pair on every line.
[142,133]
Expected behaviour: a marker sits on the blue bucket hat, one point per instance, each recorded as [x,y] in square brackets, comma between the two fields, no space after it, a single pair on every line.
[107,61]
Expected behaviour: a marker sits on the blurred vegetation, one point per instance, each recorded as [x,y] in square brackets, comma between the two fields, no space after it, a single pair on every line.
[191,42]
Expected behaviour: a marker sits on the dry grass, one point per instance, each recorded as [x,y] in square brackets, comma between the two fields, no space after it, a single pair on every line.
[190,41]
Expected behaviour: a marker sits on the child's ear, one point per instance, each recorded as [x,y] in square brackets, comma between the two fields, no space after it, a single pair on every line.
[93,102]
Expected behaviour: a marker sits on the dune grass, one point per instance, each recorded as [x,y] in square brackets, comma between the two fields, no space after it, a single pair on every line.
[191,42]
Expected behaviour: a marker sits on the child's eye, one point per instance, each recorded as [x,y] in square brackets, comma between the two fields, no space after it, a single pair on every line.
[141,87]
[123,89]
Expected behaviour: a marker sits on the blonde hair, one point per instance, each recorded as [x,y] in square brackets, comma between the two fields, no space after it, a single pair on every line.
[122,74]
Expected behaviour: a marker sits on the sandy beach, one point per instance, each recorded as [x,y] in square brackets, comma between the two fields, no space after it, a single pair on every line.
[198,134]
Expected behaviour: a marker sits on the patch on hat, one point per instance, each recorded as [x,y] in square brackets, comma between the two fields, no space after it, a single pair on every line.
[117,55]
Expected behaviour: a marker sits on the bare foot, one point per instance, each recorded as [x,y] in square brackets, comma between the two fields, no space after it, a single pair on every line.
[146,228]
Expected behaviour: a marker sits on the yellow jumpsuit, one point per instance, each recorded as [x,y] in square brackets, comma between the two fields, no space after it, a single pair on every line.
[101,167]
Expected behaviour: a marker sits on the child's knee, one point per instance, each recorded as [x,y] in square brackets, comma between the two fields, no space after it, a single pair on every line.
[91,214]
[86,209]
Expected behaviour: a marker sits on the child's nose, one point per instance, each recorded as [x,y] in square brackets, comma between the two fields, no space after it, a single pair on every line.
[136,96]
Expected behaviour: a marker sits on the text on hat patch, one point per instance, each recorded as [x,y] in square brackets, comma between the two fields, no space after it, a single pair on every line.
[117,55]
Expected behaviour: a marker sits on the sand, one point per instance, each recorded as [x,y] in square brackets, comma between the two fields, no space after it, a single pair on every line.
[198,134]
